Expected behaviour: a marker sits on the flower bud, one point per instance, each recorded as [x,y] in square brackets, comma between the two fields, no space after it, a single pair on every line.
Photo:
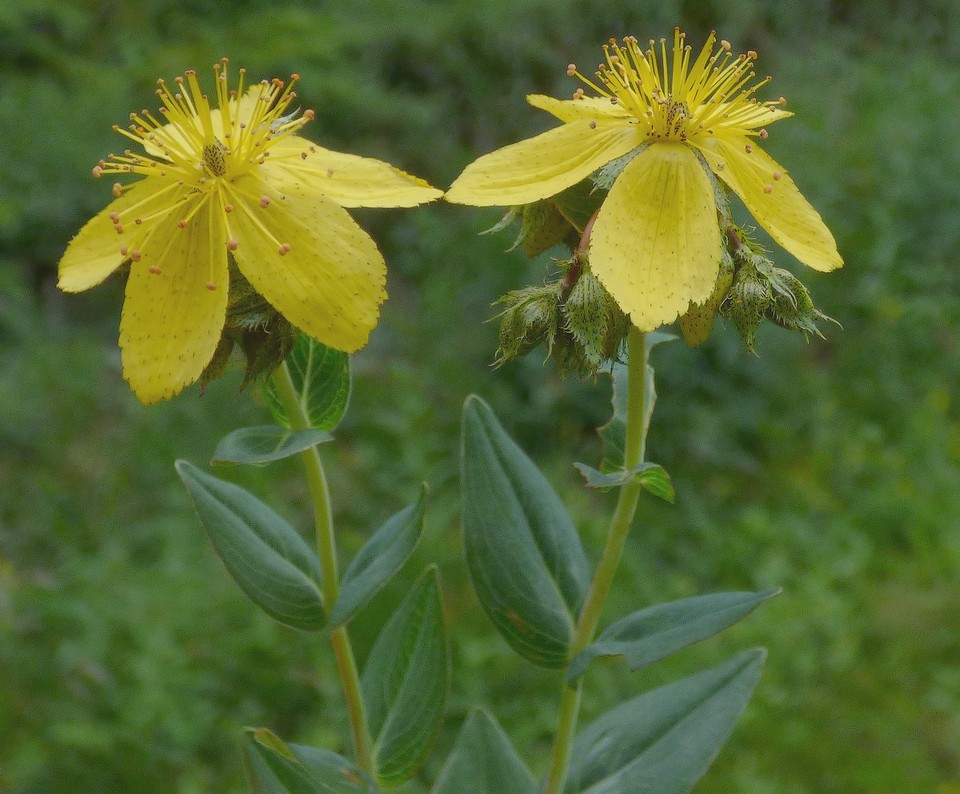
[585,313]
[582,331]
[595,323]
[792,307]
[531,317]
[746,303]
[254,327]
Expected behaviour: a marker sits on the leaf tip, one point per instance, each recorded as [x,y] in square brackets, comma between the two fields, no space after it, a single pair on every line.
[473,402]
[183,467]
[431,571]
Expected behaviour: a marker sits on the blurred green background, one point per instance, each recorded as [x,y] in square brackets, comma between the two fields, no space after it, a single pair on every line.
[128,660]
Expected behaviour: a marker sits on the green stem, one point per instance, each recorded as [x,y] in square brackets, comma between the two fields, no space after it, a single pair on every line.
[327,551]
[634,450]
[566,726]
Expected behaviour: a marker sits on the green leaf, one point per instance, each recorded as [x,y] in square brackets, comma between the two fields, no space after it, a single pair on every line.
[651,476]
[483,761]
[272,564]
[321,378]
[654,633]
[405,682]
[379,559]
[525,559]
[663,741]
[266,443]
[273,767]
[260,780]
[613,433]
[655,480]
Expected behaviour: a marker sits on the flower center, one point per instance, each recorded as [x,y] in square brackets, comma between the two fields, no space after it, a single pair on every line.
[198,140]
[676,119]
[213,158]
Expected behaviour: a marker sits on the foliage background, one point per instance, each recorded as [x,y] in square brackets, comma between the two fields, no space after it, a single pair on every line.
[129,662]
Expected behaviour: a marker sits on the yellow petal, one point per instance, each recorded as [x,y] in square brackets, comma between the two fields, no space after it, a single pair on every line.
[171,320]
[95,251]
[776,203]
[544,165]
[349,180]
[655,245]
[588,107]
[330,284]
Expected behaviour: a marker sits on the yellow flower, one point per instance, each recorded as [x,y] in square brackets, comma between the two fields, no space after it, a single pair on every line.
[233,181]
[676,122]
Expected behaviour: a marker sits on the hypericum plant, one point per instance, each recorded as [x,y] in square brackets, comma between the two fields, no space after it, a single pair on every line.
[236,238]
[633,184]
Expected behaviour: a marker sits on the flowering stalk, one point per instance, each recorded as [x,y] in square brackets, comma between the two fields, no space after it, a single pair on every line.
[634,450]
[327,551]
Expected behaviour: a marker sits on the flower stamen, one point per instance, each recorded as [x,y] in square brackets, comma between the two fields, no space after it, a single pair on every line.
[680,98]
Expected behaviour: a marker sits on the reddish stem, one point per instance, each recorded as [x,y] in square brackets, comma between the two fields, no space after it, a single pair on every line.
[734,238]
[576,264]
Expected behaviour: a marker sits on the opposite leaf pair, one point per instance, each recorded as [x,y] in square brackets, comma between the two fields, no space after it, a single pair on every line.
[404,682]
[522,549]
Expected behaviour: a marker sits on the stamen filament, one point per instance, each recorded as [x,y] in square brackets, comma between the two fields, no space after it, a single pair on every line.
[245,206]
[679,97]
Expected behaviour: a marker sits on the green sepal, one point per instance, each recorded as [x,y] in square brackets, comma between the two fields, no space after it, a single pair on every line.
[607,175]
[509,217]
[265,348]
[274,767]
[549,222]
[697,322]
[484,761]
[524,554]
[613,433]
[405,682]
[542,226]
[380,558]
[265,444]
[652,476]
[321,379]
[654,633]
[254,327]
[266,556]
[217,365]
[665,740]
